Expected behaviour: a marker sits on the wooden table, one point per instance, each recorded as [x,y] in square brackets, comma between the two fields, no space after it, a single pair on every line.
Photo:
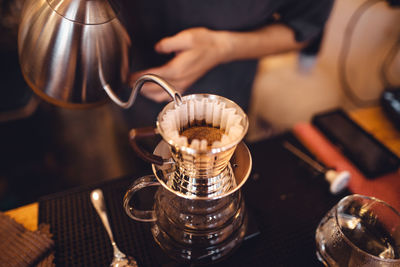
[372,119]
[375,122]
[26,215]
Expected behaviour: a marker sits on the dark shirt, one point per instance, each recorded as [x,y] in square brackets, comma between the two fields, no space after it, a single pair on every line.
[151,20]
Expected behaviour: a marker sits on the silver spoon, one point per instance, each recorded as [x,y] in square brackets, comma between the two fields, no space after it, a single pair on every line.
[119,259]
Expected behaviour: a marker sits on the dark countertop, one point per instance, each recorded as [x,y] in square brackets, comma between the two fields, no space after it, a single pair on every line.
[284,197]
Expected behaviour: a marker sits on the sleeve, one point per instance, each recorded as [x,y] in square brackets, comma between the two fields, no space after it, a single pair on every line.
[307,18]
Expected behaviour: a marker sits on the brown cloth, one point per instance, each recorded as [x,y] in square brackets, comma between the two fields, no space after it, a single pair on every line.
[21,247]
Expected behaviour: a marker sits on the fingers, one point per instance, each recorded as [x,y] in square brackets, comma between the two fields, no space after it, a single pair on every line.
[151,90]
[176,43]
[157,96]
[194,56]
[149,86]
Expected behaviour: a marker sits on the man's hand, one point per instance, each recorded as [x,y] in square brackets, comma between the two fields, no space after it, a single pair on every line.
[197,50]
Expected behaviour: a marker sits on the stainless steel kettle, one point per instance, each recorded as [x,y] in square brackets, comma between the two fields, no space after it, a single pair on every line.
[73,53]
[66,45]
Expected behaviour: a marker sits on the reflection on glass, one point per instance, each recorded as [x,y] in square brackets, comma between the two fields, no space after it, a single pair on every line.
[359,231]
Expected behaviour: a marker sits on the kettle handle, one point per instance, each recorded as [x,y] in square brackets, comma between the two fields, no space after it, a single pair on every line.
[139,133]
[136,214]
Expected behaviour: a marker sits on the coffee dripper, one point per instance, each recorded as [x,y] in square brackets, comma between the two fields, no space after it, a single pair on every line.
[199,214]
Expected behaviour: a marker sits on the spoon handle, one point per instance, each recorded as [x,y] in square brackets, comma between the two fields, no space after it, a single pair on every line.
[96,196]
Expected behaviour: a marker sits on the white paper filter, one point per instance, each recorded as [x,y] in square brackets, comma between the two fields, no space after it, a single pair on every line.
[212,112]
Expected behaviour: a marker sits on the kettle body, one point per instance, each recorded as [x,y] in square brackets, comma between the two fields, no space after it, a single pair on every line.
[70,49]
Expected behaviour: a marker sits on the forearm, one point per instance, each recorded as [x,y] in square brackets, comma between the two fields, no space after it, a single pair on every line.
[269,40]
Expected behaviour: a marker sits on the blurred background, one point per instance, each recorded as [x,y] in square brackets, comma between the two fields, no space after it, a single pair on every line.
[46,149]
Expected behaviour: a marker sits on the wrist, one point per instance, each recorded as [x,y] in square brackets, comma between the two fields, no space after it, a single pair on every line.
[225,46]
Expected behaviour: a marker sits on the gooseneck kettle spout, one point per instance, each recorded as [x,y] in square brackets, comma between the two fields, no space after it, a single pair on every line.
[177,98]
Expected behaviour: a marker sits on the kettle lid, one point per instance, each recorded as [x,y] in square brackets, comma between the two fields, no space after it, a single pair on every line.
[85,11]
